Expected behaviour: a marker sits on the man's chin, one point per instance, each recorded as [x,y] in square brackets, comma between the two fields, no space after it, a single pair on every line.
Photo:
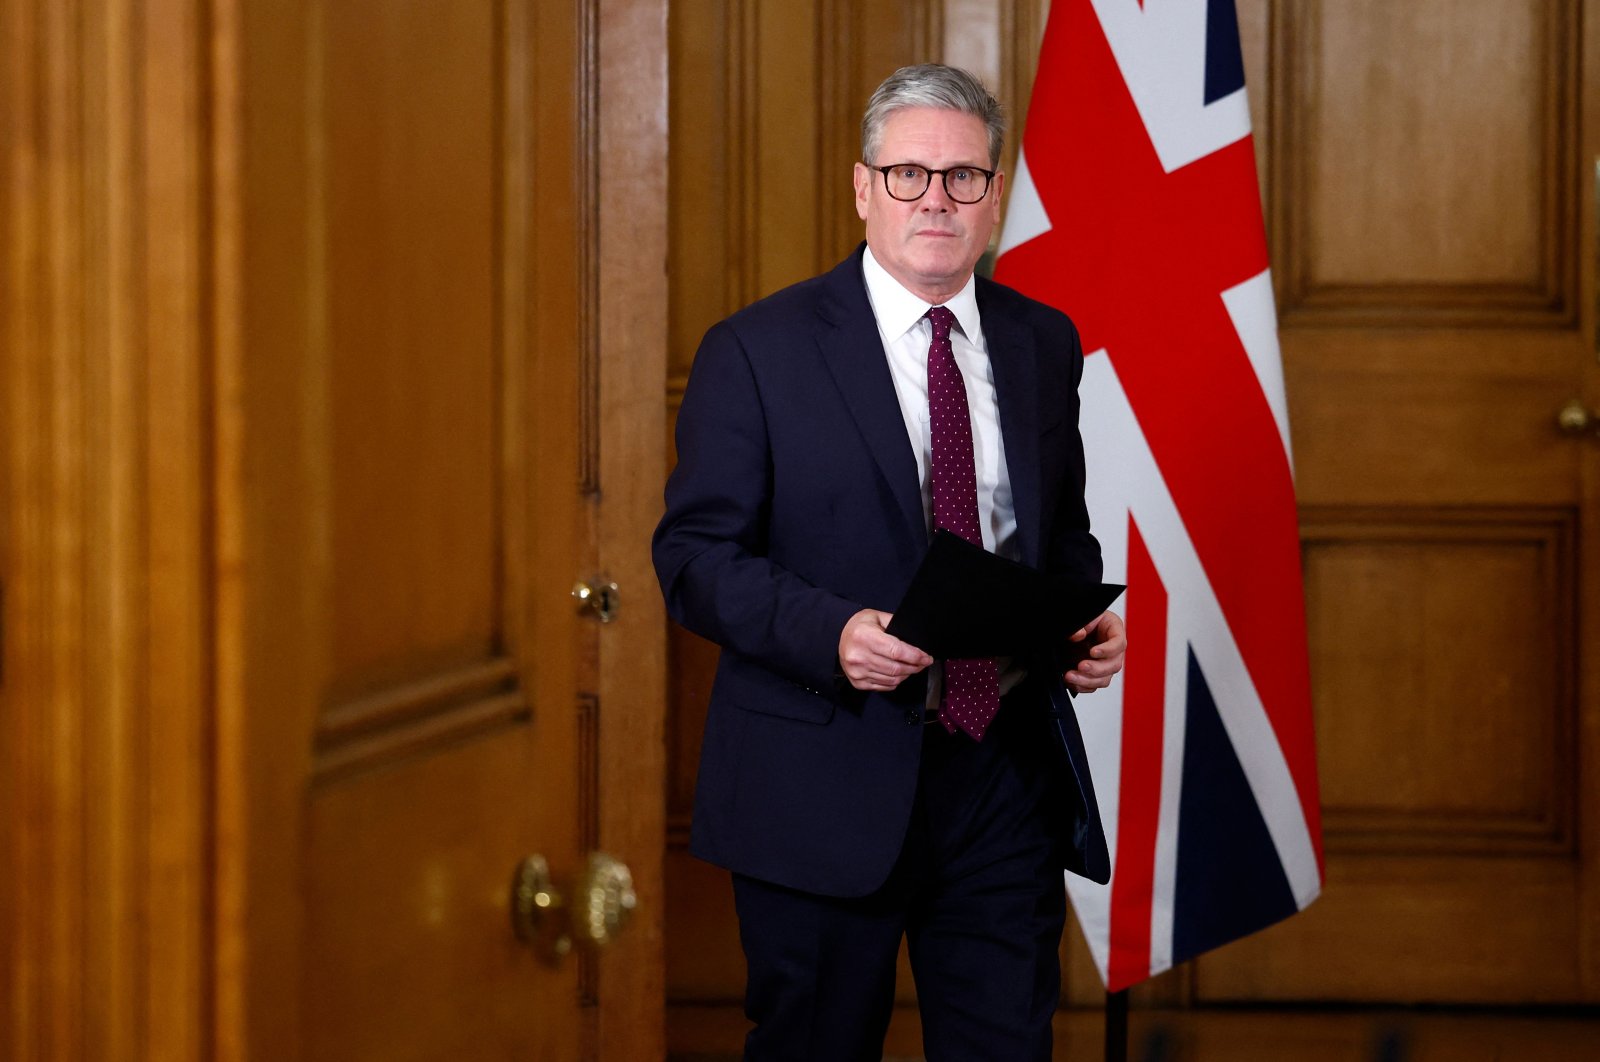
[944,270]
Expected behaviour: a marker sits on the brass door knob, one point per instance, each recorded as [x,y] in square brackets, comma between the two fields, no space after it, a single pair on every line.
[599,597]
[1575,419]
[602,901]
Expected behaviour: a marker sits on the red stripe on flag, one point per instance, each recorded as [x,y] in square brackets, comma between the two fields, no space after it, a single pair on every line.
[1139,257]
[1139,800]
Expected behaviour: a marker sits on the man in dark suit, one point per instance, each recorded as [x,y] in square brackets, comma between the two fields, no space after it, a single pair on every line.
[858,790]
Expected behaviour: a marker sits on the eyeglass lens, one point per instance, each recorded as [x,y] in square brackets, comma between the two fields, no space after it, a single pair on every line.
[909,182]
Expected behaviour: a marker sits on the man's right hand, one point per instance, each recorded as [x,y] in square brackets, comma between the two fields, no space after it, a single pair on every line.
[872,658]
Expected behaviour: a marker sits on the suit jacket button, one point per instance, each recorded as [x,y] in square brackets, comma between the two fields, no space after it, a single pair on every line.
[913,717]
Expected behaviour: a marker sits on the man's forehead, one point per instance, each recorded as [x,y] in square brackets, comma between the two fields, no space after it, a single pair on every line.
[924,125]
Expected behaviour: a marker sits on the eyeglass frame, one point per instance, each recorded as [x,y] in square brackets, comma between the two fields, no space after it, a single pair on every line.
[988,181]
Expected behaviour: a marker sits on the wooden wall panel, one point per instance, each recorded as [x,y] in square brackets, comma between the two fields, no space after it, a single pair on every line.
[103,387]
[1441,416]
[1423,747]
[1432,181]
[1425,220]
[416,876]
[415,360]
[405,183]
[706,198]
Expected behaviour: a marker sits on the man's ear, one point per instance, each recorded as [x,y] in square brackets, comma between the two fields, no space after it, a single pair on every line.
[997,189]
[862,178]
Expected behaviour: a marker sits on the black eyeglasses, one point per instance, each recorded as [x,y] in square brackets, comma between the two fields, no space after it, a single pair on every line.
[908,182]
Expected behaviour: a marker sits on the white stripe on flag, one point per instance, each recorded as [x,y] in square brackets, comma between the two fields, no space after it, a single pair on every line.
[1025,213]
[1174,730]
[1124,478]
[1255,318]
[1155,44]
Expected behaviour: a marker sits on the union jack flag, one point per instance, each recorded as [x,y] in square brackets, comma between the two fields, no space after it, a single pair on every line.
[1135,209]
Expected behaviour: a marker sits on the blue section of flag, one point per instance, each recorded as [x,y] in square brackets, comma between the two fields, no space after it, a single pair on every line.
[1224,60]
[1230,880]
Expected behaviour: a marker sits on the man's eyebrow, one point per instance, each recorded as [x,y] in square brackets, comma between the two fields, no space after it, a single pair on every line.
[926,166]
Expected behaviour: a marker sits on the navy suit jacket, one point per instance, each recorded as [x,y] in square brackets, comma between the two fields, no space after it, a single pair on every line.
[795,504]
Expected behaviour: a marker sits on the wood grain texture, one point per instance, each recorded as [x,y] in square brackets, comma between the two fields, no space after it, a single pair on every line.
[417,719]
[1587,625]
[1426,745]
[408,358]
[105,500]
[305,412]
[409,180]
[1442,508]
[633,304]
[1425,162]
[388,851]
[44,574]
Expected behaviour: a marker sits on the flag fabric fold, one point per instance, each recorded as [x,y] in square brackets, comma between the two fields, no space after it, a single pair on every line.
[1135,209]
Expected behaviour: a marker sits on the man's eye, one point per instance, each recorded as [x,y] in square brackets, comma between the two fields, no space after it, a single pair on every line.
[909,173]
[961,176]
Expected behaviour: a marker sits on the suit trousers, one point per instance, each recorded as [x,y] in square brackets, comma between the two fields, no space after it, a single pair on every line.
[978,894]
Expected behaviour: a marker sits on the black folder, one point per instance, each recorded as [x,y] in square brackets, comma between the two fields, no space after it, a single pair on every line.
[967,602]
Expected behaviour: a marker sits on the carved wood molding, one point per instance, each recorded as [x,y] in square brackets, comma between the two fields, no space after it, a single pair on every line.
[105,711]
[1549,300]
[742,158]
[418,716]
[589,246]
[1549,827]
[1021,31]
[927,31]
[678,831]
[838,123]
[588,710]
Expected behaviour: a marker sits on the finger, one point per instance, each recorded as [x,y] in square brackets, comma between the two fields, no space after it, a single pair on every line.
[1086,630]
[1106,650]
[1110,645]
[901,653]
[1084,682]
[889,647]
[884,683]
[873,682]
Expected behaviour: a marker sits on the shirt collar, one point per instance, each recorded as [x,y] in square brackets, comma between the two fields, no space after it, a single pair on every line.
[898,310]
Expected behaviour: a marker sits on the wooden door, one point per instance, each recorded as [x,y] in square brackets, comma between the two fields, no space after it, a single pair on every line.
[412,701]
[337,363]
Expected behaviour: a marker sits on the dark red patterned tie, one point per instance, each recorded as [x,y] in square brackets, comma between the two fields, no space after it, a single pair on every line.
[971,687]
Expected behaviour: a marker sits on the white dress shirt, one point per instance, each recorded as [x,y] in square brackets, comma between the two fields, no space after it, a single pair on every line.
[907,333]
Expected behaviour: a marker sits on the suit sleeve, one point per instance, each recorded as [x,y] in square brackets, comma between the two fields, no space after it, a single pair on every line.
[1072,548]
[710,548]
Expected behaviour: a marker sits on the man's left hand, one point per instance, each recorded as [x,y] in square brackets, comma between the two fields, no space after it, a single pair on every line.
[1107,641]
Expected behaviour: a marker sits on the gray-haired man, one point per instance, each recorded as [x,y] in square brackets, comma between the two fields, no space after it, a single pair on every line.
[859,791]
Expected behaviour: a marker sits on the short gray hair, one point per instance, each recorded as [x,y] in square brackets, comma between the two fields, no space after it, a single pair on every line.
[931,85]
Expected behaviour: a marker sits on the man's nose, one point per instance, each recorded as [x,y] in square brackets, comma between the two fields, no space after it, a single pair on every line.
[936,198]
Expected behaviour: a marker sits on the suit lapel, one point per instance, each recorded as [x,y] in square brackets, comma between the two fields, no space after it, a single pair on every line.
[1013,356]
[853,352]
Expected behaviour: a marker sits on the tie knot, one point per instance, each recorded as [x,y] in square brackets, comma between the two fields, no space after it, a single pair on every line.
[942,319]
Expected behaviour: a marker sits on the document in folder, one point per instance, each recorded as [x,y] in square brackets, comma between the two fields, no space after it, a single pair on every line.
[967,602]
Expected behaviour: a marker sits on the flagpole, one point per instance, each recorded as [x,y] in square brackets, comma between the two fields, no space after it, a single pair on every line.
[1117,1026]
